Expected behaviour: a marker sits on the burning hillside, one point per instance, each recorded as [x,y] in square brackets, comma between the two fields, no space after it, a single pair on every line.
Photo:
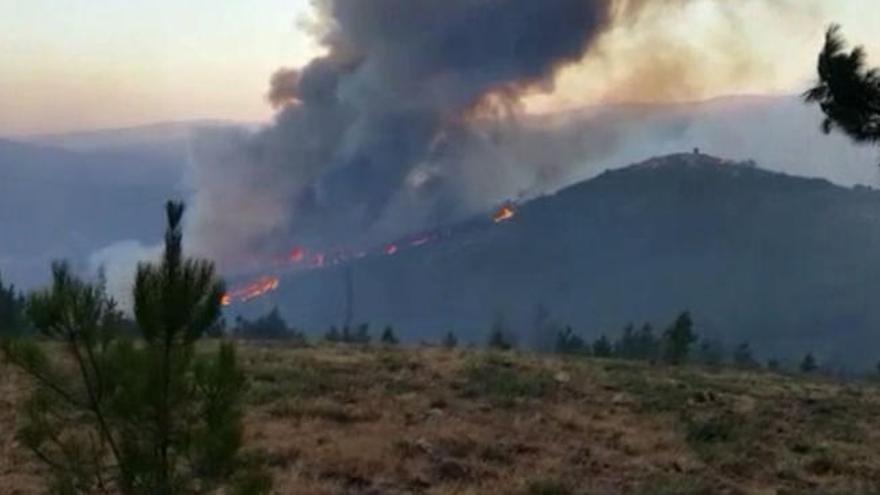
[410,118]
[299,258]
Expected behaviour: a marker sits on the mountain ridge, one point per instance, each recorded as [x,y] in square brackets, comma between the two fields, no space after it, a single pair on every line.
[753,253]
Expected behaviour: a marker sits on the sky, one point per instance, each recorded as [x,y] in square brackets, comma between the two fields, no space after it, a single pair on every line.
[69,65]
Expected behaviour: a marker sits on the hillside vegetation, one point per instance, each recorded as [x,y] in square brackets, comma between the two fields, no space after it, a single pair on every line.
[344,419]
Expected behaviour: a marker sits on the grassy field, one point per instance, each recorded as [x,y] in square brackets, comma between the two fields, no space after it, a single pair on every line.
[349,420]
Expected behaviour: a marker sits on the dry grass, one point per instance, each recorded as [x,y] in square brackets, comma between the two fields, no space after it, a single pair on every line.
[349,420]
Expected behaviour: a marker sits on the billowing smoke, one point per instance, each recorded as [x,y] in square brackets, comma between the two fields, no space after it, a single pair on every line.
[418,113]
[389,130]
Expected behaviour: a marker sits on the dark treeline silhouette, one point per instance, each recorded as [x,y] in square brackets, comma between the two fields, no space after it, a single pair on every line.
[677,344]
[361,335]
[269,327]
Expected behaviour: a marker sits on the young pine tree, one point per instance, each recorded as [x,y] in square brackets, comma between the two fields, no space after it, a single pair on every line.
[602,347]
[498,336]
[711,352]
[333,335]
[678,340]
[118,416]
[743,358]
[809,364]
[568,342]
[647,345]
[362,335]
[388,337]
[12,311]
[450,341]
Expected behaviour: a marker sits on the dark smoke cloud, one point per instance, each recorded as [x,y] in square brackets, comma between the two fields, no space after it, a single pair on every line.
[372,130]
[412,118]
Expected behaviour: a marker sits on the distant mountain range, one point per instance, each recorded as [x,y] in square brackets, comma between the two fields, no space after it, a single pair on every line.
[788,263]
[163,135]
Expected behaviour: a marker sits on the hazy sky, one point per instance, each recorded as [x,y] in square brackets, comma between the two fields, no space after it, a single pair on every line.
[83,64]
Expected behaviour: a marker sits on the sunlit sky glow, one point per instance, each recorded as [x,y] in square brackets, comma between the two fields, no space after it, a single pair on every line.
[85,64]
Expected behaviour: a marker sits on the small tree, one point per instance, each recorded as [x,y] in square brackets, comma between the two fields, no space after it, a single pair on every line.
[499,338]
[678,340]
[499,342]
[647,346]
[809,364]
[602,347]
[773,364]
[333,335]
[388,337]
[450,341]
[272,326]
[544,330]
[711,352]
[567,342]
[362,336]
[12,311]
[114,416]
[743,358]
[627,346]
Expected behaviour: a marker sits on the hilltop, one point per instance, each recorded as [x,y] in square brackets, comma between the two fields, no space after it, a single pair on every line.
[788,263]
[370,420]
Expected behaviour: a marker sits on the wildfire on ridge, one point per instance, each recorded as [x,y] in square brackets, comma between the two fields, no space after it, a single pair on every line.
[297,254]
[250,290]
[319,259]
[504,214]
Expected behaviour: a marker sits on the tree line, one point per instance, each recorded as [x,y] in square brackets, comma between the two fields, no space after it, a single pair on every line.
[677,344]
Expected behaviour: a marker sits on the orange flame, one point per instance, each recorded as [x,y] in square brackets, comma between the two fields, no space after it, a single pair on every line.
[250,290]
[297,254]
[504,214]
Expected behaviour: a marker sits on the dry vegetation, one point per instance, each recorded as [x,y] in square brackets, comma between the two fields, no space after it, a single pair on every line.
[350,420]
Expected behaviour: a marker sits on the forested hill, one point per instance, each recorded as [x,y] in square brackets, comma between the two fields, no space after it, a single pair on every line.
[790,264]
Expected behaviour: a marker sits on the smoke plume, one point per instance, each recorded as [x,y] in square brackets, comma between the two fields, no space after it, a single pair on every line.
[414,116]
[388,130]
